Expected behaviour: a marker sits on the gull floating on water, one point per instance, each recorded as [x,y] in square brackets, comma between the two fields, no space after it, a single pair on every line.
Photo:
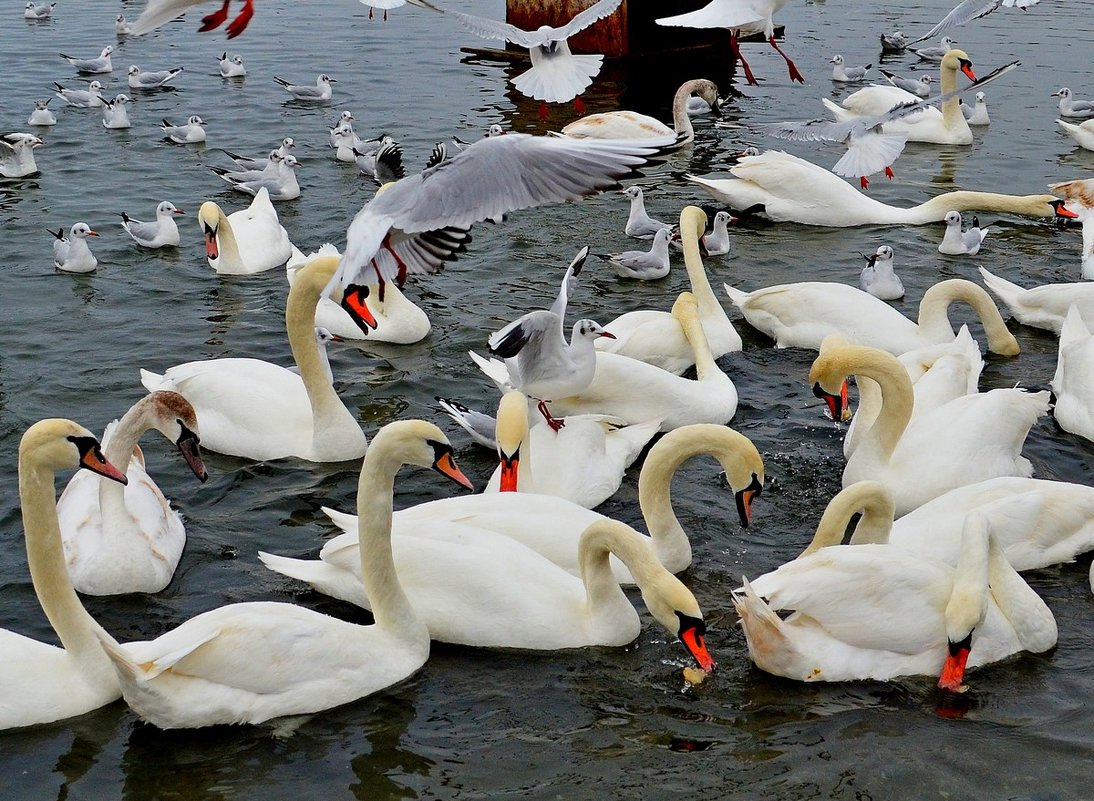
[247,163]
[639,224]
[161,233]
[41,114]
[846,74]
[920,87]
[92,65]
[114,113]
[894,42]
[1073,108]
[643,265]
[935,54]
[92,97]
[977,114]
[121,27]
[282,186]
[17,154]
[321,91]
[71,254]
[232,67]
[159,12]
[878,277]
[35,11]
[186,134]
[957,242]
[139,79]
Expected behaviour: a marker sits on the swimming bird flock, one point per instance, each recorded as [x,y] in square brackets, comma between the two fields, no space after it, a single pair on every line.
[529,565]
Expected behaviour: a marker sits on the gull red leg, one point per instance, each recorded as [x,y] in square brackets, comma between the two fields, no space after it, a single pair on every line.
[579,105]
[239,24]
[214,20]
[542,110]
[553,422]
[864,182]
[737,56]
[889,173]
[794,74]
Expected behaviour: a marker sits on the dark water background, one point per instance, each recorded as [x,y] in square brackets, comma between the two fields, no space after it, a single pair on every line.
[473,724]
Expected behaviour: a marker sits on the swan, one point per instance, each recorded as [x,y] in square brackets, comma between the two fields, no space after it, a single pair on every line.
[475,587]
[632,125]
[801,315]
[1036,522]
[258,410]
[128,539]
[250,662]
[792,189]
[582,462]
[656,337]
[397,319]
[1083,133]
[41,683]
[944,126]
[552,526]
[247,241]
[876,612]
[969,439]
[1073,382]
[1042,306]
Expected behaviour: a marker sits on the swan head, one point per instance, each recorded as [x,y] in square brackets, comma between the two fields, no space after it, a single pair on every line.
[417,442]
[510,433]
[209,217]
[58,444]
[968,601]
[175,418]
[829,372]
[675,608]
[958,60]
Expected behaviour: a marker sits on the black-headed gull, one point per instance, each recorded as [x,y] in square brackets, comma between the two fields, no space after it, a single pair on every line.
[384,163]
[121,27]
[114,112]
[158,12]
[282,186]
[715,240]
[321,91]
[845,74]
[190,133]
[968,10]
[878,277]
[232,67]
[92,97]
[261,164]
[894,42]
[17,154]
[36,11]
[920,87]
[140,79]
[643,265]
[1073,108]
[92,65]
[421,221]
[161,233]
[71,254]
[977,114]
[740,18]
[935,54]
[957,242]
[41,114]
[557,75]
[639,224]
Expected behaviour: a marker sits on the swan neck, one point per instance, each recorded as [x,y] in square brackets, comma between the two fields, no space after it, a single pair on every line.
[228,246]
[934,321]
[897,397]
[601,540]
[681,120]
[700,282]
[867,497]
[935,209]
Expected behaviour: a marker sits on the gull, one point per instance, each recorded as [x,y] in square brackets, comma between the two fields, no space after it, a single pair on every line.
[92,65]
[114,113]
[268,169]
[894,42]
[741,18]
[385,163]
[415,225]
[977,114]
[920,87]
[385,6]
[71,254]
[644,265]
[968,10]
[957,242]
[41,114]
[1073,108]
[159,12]
[869,147]
[935,54]
[34,11]
[639,224]
[17,154]
[92,97]
[189,133]
[161,233]
[139,79]
[321,91]
[345,123]
[556,76]
[232,67]
[250,164]
[282,186]
[878,277]
[848,74]
[346,142]
[121,27]
[715,242]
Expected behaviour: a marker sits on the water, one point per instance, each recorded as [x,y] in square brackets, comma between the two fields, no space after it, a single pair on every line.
[471,724]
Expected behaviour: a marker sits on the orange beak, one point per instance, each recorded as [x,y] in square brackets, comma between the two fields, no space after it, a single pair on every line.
[966,67]
[509,465]
[92,458]
[92,233]
[838,406]
[953,671]
[446,465]
[692,636]
[744,500]
[212,252]
[353,301]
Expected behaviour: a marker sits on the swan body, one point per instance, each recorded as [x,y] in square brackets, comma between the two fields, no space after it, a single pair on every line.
[876,612]
[258,410]
[801,315]
[71,254]
[250,662]
[128,539]
[632,125]
[969,439]
[552,526]
[656,337]
[1083,133]
[1042,306]
[1073,382]
[41,683]
[247,241]
[792,189]
[161,233]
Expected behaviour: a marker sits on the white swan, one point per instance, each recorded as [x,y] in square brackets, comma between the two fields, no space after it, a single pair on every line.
[1042,306]
[632,125]
[247,241]
[394,319]
[1073,382]
[129,539]
[582,462]
[801,315]
[552,526]
[876,612]
[656,337]
[475,587]
[41,683]
[792,189]
[258,410]
[250,662]
[945,126]
[1083,133]
[969,439]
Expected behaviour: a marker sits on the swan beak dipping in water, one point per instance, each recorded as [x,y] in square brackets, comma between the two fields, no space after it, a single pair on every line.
[838,406]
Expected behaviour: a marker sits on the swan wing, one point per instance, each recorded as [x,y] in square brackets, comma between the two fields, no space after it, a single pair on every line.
[722,14]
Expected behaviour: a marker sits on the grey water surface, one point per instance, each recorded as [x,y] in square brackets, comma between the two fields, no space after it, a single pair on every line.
[595,723]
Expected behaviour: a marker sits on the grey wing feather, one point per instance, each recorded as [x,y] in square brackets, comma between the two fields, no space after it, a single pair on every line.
[902,110]
[484,27]
[512,339]
[868,154]
[569,282]
[967,11]
[142,230]
[582,20]
[818,130]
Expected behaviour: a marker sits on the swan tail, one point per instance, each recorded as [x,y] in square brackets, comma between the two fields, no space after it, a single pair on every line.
[311,571]
[343,520]
[127,669]
[738,297]
[635,437]
[839,112]
[1074,328]
[1006,291]
[154,381]
[764,630]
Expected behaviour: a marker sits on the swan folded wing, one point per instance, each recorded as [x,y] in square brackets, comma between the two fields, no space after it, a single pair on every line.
[720,14]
